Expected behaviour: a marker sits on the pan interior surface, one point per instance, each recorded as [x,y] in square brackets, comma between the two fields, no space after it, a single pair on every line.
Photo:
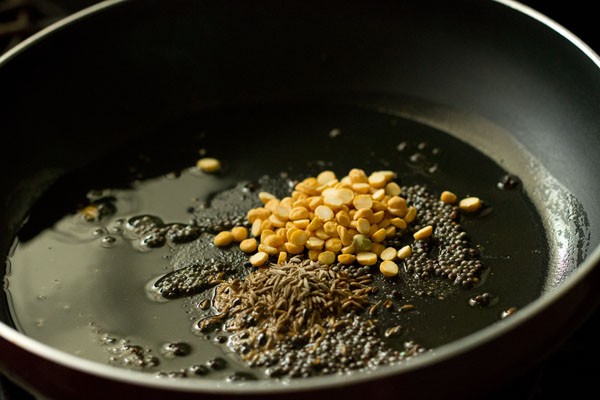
[461,80]
[81,287]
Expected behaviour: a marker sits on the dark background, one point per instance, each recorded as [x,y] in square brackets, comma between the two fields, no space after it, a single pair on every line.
[569,368]
[578,16]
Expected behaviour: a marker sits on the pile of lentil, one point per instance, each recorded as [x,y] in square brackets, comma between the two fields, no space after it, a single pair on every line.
[361,219]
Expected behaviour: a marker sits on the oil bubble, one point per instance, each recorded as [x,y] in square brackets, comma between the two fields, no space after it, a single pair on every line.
[109,241]
[508,182]
[99,232]
[241,376]
[217,363]
[483,300]
[198,370]
[172,350]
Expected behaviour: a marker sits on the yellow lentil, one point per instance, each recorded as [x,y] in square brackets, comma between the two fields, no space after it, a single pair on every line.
[270,250]
[377,180]
[398,223]
[378,195]
[239,233]
[366,213]
[330,228]
[366,258]
[298,237]
[377,248]
[266,197]
[325,176]
[326,257]
[259,259]
[362,201]
[346,259]
[346,194]
[256,228]
[249,245]
[343,218]
[314,243]
[398,212]
[393,189]
[351,249]
[333,202]
[388,268]
[344,235]
[273,240]
[390,231]
[282,212]
[379,235]
[315,224]
[258,213]
[384,223]
[470,204]
[448,197]
[313,255]
[293,248]
[208,164]
[404,252]
[298,213]
[320,233]
[411,214]
[265,233]
[302,223]
[282,257]
[90,213]
[287,201]
[379,206]
[223,239]
[361,188]
[423,233]
[388,254]
[333,244]
[357,175]
[276,221]
[324,213]
[397,202]
[282,232]
[315,202]
[374,228]
[363,226]
[266,225]
[378,217]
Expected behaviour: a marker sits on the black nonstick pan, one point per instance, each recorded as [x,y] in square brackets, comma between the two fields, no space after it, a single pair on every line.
[131,90]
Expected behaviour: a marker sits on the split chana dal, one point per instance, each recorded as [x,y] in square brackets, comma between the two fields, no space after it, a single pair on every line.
[333,219]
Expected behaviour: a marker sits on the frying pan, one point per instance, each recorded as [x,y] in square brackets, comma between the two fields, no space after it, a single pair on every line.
[518,87]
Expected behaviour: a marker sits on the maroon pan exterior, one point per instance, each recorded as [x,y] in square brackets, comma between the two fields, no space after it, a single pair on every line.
[122,67]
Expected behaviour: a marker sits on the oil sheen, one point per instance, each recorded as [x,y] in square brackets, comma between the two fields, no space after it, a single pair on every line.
[82,286]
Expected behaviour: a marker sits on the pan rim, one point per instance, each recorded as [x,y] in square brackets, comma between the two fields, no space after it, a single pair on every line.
[439,354]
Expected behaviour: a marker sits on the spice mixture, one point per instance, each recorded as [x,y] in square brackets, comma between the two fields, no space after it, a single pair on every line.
[300,318]
[308,306]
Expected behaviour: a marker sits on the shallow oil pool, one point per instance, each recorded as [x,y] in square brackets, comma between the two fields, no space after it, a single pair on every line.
[80,286]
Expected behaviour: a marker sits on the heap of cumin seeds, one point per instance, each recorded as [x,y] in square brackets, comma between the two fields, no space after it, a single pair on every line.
[299,299]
